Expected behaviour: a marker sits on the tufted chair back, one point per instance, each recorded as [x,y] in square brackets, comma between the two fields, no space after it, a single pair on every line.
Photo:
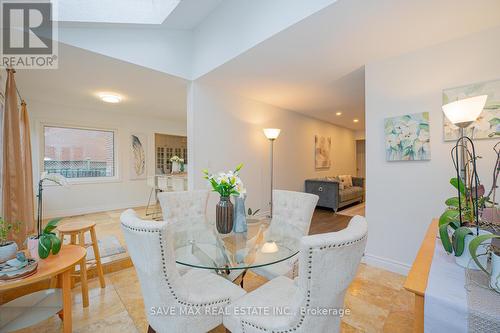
[292,213]
[327,265]
[183,206]
[150,246]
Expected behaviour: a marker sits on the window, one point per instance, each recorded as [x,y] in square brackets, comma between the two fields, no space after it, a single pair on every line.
[79,153]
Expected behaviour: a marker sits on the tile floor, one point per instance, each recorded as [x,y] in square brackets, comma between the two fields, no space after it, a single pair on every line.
[376,298]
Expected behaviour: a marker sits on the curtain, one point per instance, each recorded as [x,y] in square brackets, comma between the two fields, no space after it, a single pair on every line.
[17,189]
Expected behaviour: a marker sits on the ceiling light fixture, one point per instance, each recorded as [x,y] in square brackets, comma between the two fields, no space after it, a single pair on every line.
[356,120]
[110,98]
[339,113]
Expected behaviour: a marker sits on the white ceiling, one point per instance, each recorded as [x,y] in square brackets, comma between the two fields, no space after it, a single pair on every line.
[316,67]
[112,11]
[82,74]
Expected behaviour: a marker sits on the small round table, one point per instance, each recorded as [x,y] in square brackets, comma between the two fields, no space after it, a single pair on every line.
[198,244]
[60,266]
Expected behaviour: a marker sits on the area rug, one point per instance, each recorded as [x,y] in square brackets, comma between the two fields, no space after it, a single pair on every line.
[108,246]
[354,210]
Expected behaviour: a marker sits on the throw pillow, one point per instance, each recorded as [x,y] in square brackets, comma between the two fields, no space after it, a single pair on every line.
[346,180]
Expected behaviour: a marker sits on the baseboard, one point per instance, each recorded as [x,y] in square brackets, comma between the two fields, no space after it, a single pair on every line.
[388,264]
[90,210]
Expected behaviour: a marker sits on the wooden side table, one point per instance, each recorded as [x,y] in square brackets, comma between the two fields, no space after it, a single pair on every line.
[416,282]
[59,266]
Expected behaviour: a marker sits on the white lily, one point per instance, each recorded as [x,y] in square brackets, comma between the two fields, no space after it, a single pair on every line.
[55,178]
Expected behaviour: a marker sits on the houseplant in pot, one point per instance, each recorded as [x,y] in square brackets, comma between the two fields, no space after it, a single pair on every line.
[56,179]
[494,251]
[226,184]
[8,249]
[472,214]
[176,163]
[48,242]
[460,220]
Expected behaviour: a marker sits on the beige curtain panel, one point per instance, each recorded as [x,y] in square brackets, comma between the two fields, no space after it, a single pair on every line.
[17,186]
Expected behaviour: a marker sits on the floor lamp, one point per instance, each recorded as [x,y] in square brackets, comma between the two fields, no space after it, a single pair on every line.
[271,134]
[462,113]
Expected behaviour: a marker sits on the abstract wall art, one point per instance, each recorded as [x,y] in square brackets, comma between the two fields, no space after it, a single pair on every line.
[138,148]
[322,149]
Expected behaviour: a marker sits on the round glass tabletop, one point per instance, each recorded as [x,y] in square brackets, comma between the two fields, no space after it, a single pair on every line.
[198,244]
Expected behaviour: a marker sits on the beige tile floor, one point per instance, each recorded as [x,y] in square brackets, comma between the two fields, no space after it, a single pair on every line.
[107,224]
[376,298]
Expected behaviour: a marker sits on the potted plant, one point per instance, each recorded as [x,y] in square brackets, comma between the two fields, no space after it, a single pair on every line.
[462,233]
[226,184]
[33,241]
[48,242]
[8,249]
[475,245]
[176,163]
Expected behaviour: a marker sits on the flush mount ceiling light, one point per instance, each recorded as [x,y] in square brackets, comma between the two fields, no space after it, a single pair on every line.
[338,113]
[110,98]
[355,120]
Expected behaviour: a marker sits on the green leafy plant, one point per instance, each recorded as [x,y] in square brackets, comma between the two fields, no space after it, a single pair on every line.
[5,229]
[226,184]
[451,217]
[48,241]
[474,245]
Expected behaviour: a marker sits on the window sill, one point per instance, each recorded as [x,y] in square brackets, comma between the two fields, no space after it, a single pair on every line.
[86,181]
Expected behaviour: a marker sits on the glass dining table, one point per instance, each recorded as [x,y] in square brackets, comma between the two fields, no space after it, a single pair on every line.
[198,244]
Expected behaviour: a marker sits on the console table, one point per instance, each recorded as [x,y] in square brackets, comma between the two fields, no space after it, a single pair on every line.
[416,282]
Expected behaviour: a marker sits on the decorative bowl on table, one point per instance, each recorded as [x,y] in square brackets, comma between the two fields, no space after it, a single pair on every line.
[16,269]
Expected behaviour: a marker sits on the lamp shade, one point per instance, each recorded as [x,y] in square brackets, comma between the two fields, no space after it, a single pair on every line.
[465,111]
[272,133]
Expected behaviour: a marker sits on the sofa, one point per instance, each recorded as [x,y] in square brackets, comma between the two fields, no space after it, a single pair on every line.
[333,194]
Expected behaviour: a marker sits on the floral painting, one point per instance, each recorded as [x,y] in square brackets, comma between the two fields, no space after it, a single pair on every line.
[407,138]
[488,123]
[322,148]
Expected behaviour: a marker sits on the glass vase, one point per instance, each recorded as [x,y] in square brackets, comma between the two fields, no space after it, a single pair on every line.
[240,218]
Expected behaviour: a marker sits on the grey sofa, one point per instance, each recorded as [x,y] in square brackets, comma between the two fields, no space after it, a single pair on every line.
[330,194]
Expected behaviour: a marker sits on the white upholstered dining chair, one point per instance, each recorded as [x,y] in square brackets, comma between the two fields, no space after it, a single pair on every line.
[151,249]
[292,215]
[183,205]
[328,264]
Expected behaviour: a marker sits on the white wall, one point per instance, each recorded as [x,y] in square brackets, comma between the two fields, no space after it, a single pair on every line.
[93,197]
[359,135]
[237,26]
[403,197]
[225,129]
[167,51]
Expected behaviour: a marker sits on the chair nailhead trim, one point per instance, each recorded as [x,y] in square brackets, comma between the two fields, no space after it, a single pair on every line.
[180,301]
[308,297]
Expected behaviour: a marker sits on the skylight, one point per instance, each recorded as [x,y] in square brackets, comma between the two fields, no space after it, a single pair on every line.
[115,11]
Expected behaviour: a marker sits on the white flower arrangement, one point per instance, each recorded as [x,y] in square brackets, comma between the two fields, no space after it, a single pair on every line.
[176,159]
[226,183]
[55,178]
